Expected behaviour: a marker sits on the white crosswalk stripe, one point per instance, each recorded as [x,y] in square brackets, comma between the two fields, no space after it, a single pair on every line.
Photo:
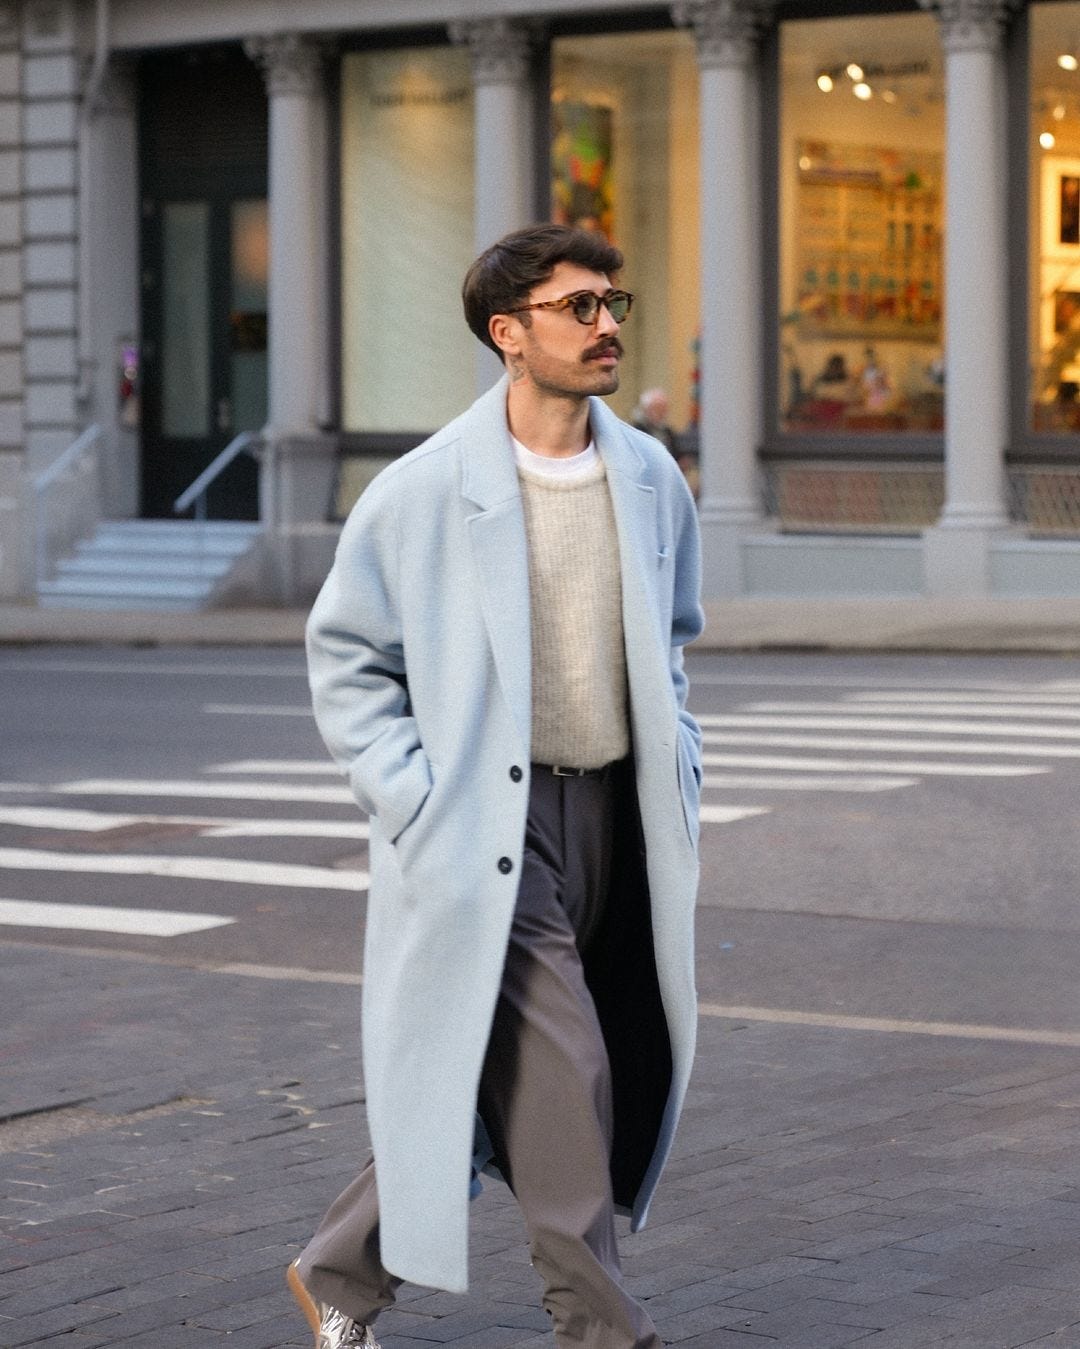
[106,918]
[819,737]
[868,734]
[96,821]
[189,868]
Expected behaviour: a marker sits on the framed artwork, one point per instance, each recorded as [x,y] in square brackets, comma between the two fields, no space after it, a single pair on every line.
[1060,204]
[581,155]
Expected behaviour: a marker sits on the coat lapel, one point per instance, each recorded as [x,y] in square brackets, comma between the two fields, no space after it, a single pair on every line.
[497,532]
[635,507]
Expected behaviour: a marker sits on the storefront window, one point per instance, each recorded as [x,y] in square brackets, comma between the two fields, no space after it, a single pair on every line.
[624,160]
[407,238]
[861,220]
[1055,217]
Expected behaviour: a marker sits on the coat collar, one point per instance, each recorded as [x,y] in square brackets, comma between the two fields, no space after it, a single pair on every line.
[489,473]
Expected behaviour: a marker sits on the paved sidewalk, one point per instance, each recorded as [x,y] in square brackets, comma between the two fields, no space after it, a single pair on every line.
[832,1186]
[1034,625]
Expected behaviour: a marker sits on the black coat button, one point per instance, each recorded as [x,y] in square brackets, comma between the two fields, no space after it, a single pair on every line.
[515,774]
[505,866]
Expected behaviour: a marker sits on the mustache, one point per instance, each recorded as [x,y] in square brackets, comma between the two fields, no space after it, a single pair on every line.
[602,348]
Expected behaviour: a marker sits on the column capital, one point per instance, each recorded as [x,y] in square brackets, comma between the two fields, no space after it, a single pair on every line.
[726,31]
[291,62]
[499,49]
[970,25]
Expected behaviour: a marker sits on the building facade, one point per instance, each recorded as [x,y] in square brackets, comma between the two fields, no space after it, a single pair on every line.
[852,227]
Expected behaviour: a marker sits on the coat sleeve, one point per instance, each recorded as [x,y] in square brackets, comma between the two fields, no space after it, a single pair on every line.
[356,667]
[688,617]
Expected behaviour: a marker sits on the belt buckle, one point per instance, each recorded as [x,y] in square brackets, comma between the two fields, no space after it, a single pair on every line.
[559,771]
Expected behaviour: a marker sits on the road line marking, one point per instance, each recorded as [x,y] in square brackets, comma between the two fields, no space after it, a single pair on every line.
[312,766]
[768,1015]
[709,814]
[900,724]
[893,1026]
[889,743]
[355,829]
[830,681]
[52,817]
[100,918]
[924,710]
[780,782]
[185,868]
[257,710]
[792,761]
[916,696]
[249,669]
[237,791]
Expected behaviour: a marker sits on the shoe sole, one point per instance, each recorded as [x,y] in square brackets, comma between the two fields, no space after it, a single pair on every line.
[304,1298]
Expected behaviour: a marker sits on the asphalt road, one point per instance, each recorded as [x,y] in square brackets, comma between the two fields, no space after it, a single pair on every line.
[879,1144]
[909,846]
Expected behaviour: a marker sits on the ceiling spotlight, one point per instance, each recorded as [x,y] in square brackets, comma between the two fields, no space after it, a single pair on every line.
[1067,61]
[888,95]
[862,90]
[825,83]
[1058,112]
[856,72]
[1046,140]
[805,163]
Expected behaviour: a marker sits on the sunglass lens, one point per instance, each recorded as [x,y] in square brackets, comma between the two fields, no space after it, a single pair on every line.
[586,307]
[618,305]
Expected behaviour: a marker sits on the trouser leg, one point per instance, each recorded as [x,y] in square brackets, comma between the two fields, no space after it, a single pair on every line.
[545,1093]
[341,1265]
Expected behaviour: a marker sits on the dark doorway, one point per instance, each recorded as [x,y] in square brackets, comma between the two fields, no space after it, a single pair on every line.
[204,243]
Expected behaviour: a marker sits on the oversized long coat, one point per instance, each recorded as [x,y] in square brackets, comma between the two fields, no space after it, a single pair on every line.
[420,666]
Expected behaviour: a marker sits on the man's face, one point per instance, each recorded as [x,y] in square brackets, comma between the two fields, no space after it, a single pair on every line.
[555,352]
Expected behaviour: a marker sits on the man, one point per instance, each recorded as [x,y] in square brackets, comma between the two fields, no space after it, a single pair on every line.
[496,663]
[651,415]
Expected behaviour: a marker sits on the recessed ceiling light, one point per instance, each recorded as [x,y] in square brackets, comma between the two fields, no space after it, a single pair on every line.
[1058,112]
[863,91]
[1046,140]
[1067,61]
[856,72]
[889,95]
[825,83]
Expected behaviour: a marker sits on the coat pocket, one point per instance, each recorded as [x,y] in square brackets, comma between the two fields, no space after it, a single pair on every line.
[689,789]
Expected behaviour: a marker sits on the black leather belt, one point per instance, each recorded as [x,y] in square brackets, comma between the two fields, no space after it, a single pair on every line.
[561,771]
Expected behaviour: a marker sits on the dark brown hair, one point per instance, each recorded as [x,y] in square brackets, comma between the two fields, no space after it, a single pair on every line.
[503,276]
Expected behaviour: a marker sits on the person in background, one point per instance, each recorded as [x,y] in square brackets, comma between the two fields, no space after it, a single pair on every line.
[651,416]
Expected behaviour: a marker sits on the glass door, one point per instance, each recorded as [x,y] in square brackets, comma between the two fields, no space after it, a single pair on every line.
[204,347]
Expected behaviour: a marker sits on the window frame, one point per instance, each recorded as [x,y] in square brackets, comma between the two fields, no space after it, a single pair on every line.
[778,445]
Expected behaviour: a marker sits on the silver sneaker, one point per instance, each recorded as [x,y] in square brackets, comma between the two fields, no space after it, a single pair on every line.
[333,1329]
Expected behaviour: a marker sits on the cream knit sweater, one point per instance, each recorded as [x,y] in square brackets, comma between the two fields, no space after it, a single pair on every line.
[579,690]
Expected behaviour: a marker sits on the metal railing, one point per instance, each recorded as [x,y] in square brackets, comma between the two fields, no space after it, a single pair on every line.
[196,493]
[76,470]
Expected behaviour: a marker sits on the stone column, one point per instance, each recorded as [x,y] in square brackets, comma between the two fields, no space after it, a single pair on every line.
[503,137]
[976,284]
[297,467]
[730,428]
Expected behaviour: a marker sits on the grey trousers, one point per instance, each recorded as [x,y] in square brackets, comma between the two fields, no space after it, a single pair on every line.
[545,1092]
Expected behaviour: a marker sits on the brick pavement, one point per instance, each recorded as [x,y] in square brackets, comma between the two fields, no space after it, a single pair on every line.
[177,1132]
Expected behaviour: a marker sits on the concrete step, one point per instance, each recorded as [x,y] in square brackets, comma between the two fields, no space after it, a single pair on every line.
[148,564]
[103,562]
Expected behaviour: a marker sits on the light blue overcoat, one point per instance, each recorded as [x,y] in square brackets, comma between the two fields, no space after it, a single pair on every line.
[419,656]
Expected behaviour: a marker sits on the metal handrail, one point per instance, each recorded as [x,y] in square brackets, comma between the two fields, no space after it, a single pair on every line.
[197,491]
[41,484]
[60,466]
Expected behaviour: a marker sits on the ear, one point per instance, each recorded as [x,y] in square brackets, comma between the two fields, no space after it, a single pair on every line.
[505,331]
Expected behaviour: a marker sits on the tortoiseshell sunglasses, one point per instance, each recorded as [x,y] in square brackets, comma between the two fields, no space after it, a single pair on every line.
[585,305]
